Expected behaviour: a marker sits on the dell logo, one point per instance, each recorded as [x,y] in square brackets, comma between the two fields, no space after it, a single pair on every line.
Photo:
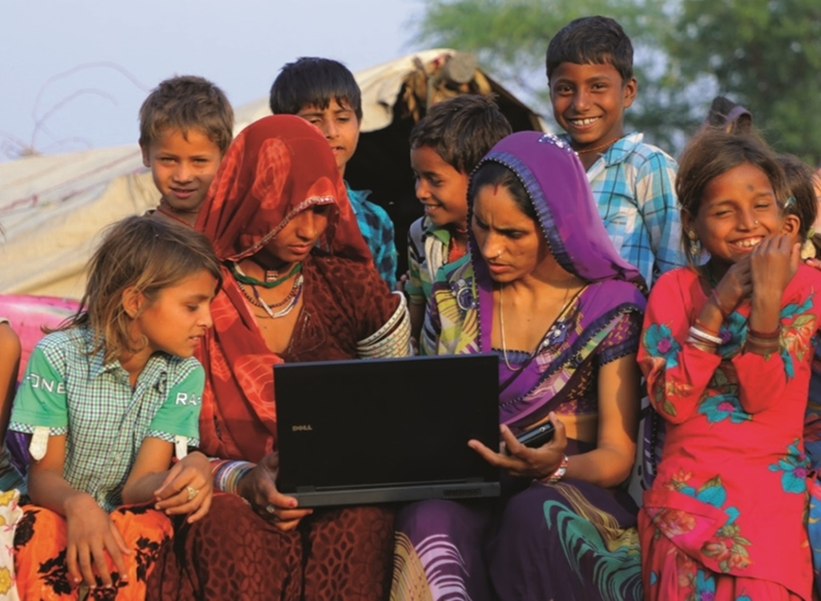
[301,428]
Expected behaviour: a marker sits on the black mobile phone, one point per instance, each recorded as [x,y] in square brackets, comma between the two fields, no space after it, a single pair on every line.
[537,436]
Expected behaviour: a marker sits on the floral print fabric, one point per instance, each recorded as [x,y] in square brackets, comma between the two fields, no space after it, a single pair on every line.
[729,500]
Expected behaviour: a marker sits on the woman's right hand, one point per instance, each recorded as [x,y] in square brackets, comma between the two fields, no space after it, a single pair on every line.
[258,487]
[90,535]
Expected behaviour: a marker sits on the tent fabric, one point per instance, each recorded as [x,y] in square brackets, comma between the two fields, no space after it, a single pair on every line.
[54,207]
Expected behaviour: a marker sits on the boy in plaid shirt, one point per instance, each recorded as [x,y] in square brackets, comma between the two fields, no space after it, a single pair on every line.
[324,92]
[590,76]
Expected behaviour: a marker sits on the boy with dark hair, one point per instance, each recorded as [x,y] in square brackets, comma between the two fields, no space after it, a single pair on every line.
[590,76]
[186,125]
[446,144]
[324,92]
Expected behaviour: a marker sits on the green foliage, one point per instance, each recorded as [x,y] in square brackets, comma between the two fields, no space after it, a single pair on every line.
[765,54]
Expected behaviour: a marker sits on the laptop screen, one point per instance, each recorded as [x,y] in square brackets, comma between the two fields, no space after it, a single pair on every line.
[388,422]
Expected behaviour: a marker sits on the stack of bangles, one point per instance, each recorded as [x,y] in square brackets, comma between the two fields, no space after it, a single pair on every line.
[227,474]
[704,338]
[763,343]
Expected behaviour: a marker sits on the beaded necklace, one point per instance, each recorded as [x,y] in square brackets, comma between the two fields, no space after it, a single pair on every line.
[272,279]
[289,301]
[597,148]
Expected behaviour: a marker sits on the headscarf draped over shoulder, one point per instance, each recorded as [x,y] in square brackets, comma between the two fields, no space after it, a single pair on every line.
[274,169]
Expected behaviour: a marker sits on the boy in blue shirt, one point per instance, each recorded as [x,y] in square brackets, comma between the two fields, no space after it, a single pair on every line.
[590,76]
[324,92]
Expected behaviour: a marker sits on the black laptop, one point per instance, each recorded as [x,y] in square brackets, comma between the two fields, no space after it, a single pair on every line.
[382,430]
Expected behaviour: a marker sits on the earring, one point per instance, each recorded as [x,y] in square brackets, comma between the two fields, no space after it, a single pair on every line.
[695,246]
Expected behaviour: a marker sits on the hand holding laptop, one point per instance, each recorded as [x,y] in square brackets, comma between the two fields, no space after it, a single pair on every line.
[259,488]
[520,460]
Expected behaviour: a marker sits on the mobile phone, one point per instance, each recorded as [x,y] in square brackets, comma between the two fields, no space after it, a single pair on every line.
[536,437]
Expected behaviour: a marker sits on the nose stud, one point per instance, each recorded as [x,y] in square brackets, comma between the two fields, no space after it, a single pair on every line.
[755,222]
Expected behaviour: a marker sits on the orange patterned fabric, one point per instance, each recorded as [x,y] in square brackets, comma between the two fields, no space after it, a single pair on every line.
[275,168]
[40,561]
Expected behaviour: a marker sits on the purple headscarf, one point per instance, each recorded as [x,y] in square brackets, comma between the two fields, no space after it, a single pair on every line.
[557,186]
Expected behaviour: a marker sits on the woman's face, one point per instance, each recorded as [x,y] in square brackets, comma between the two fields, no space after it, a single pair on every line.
[295,241]
[510,242]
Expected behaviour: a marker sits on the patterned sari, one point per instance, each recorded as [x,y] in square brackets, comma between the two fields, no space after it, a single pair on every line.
[572,539]
[274,169]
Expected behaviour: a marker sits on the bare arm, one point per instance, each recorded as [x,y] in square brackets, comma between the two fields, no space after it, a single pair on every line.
[90,533]
[609,464]
[151,479]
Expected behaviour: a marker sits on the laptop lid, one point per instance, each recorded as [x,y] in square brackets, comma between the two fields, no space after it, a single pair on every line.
[380,430]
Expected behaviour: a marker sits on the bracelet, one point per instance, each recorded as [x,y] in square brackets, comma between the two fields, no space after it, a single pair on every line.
[227,474]
[706,347]
[701,326]
[558,473]
[774,335]
[717,302]
[702,336]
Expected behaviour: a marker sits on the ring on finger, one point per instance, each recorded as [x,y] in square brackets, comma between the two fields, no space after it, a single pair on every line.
[272,510]
[192,492]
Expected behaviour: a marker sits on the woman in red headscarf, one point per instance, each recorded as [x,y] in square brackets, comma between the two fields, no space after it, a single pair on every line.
[300,285]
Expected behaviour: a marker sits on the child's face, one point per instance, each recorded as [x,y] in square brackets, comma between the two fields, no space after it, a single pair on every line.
[182,167]
[737,212]
[589,101]
[440,187]
[176,320]
[339,125]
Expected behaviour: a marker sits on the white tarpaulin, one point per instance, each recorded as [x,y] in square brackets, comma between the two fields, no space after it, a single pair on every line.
[52,208]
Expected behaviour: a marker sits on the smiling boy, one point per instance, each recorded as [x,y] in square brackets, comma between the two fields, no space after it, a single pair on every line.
[446,144]
[186,125]
[325,93]
[590,76]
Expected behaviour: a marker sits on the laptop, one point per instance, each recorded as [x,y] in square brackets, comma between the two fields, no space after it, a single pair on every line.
[366,431]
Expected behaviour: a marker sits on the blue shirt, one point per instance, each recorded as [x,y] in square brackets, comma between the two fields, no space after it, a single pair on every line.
[377,229]
[632,184]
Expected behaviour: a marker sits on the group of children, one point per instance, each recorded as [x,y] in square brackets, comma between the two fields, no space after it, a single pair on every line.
[112,396]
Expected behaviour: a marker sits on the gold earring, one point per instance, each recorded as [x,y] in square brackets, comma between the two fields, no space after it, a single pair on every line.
[695,247]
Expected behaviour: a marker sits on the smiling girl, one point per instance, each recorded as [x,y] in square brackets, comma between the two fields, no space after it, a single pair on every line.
[107,399]
[726,352]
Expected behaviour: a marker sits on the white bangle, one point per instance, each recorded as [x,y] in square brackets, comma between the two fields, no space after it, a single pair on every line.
[700,334]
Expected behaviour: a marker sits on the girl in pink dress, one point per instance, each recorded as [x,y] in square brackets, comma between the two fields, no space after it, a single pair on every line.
[726,352]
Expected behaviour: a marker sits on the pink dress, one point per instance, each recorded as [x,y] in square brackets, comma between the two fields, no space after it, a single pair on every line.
[725,516]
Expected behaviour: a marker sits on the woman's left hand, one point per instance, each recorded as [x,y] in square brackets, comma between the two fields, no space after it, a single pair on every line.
[187,488]
[522,461]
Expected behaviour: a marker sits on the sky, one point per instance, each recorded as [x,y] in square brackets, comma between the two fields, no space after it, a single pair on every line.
[73,74]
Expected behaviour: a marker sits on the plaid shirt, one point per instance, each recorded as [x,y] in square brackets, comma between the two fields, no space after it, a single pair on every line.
[632,184]
[428,247]
[377,229]
[105,422]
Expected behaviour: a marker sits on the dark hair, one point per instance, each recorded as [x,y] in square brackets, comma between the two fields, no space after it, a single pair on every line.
[145,253]
[591,40]
[492,173]
[712,152]
[800,179]
[726,114]
[187,102]
[461,130]
[313,81]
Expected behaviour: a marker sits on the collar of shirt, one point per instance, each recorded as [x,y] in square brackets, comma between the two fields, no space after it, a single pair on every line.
[356,197]
[439,232]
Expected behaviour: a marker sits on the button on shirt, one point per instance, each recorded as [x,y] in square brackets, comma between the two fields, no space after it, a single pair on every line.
[104,420]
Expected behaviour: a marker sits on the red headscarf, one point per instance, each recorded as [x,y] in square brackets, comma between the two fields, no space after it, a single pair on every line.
[273,170]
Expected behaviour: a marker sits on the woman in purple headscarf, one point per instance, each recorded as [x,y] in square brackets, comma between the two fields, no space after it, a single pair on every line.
[544,289]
